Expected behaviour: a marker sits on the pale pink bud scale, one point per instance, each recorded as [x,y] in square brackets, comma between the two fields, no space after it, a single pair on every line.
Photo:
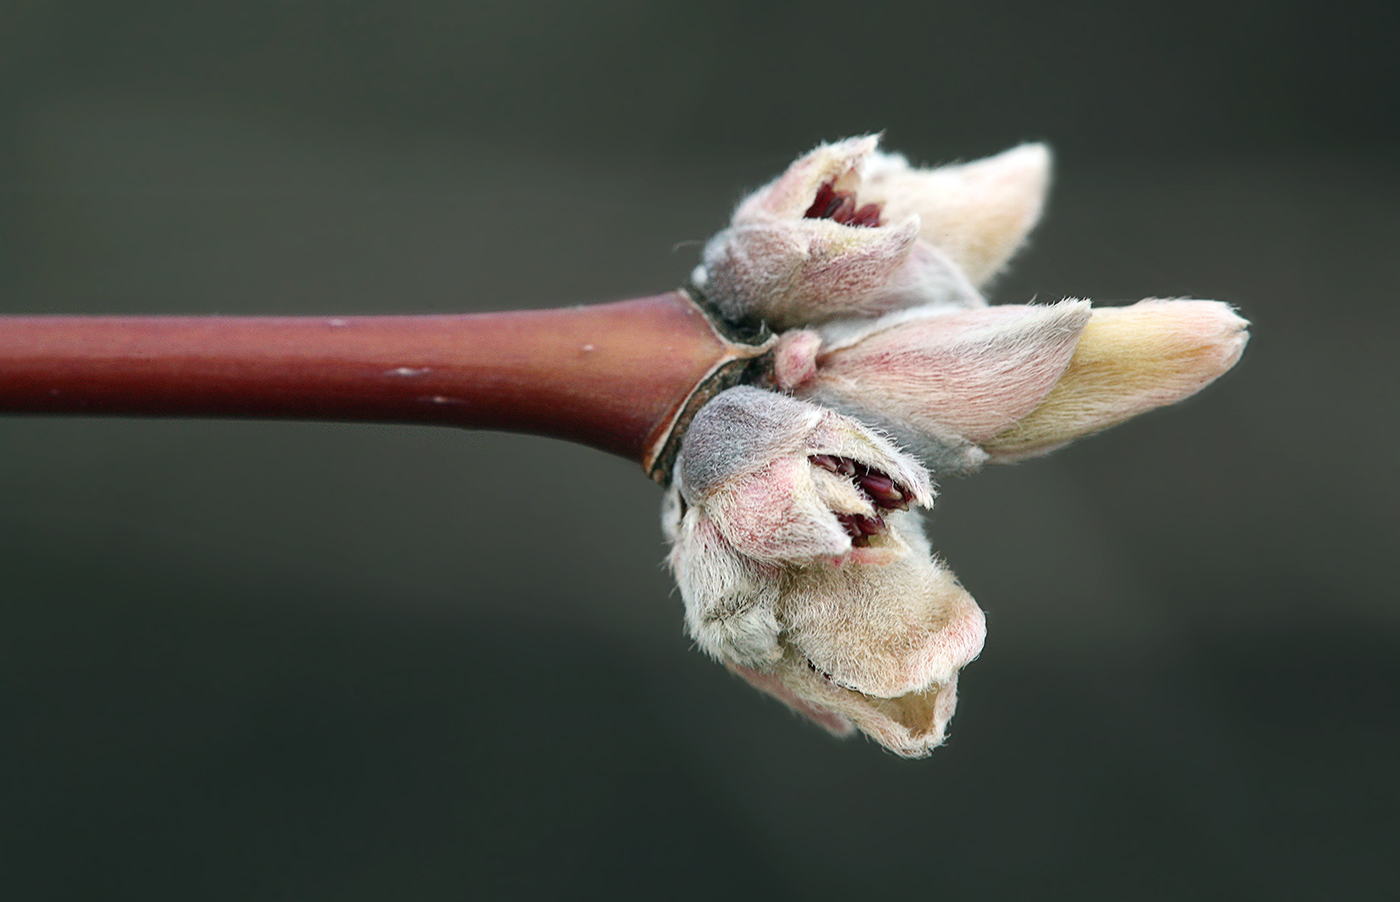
[969,372]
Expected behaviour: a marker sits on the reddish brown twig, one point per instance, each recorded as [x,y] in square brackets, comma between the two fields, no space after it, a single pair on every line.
[614,376]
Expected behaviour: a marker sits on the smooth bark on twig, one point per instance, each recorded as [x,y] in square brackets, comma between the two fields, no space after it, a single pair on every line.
[614,376]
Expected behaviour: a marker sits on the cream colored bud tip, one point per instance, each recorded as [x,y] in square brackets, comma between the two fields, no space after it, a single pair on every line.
[1019,177]
[1021,173]
[1211,328]
[1129,360]
[1032,159]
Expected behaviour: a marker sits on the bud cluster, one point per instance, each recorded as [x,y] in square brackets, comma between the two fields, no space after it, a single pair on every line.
[801,564]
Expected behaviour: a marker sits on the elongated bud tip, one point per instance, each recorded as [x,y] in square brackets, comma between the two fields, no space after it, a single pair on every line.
[978,213]
[1129,360]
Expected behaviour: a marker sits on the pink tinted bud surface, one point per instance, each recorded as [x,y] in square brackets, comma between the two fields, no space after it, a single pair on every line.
[802,569]
[849,231]
[971,372]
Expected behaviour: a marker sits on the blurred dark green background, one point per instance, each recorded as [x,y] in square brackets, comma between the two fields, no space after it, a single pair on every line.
[312,661]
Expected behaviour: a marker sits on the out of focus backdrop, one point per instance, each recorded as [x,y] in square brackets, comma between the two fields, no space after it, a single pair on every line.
[247,660]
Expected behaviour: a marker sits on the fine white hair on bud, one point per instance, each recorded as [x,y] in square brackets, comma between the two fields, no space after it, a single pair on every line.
[803,570]
[1129,360]
[850,231]
[789,482]
[940,380]
[977,213]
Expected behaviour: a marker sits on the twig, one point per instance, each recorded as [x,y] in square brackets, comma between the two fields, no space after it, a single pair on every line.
[614,376]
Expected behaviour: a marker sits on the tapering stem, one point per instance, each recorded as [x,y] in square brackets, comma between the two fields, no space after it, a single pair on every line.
[613,376]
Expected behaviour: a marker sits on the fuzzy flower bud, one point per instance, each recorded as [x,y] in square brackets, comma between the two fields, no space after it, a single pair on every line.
[802,570]
[800,565]
[849,231]
[977,213]
[939,380]
[958,388]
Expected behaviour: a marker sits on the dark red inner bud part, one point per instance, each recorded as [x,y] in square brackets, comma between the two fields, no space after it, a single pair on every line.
[840,206]
[867,216]
[860,528]
[880,490]
[884,493]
